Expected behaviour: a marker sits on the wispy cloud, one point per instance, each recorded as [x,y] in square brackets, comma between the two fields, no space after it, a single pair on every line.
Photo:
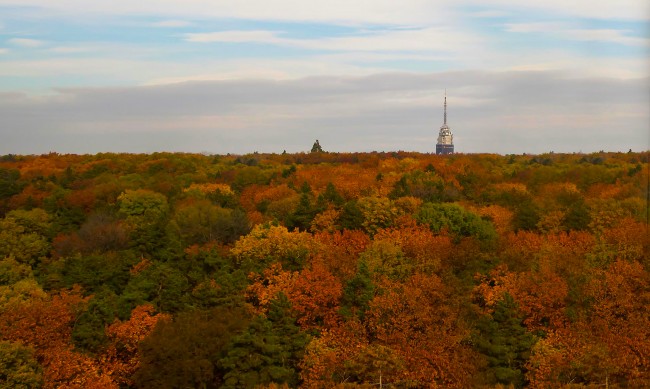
[26,42]
[608,35]
[343,11]
[567,32]
[69,49]
[422,39]
[171,23]
[547,27]
[238,36]
[3,50]
[489,14]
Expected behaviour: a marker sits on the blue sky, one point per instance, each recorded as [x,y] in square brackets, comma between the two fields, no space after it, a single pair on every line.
[234,76]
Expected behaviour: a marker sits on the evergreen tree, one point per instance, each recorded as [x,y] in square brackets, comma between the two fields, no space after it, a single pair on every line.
[351,218]
[316,148]
[332,195]
[357,293]
[506,343]
[184,353]
[303,215]
[268,352]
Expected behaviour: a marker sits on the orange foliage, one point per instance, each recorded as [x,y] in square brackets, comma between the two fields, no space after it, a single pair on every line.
[43,324]
[604,191]
[255,218]
[30,194]
[417,242]
[314,293]
[44,165]
[339,251]
[420,322]
[324,363]
[140,266]
[65,368]
[121,356]
[349,180]
[541,295]
[326,221]
[630,240]
[610,346]
[255,194]
[84,199]
[520,249]
[264,288]
[46,325]
[501,217]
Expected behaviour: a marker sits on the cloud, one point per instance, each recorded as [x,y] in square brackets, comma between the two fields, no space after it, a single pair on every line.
[171,23]
[3,51]
[420,39]
[565,31]
[237,36]
[489,14]
[69,49]
[26,42]
[406,12]
[608,35]
[504,112]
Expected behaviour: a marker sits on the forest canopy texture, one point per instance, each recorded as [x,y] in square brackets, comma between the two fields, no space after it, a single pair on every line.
[320,270]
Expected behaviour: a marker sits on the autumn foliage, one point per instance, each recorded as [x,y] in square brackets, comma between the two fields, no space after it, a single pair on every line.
[325,270]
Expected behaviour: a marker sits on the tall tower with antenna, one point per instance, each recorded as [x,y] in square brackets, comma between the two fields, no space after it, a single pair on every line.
[445,143]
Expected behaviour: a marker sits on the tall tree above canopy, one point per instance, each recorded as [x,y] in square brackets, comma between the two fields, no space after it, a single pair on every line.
[316,148]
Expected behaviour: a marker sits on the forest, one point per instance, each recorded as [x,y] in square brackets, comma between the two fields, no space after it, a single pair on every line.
[324,270]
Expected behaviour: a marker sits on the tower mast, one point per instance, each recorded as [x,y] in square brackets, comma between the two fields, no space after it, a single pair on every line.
[445,107]
[445,143]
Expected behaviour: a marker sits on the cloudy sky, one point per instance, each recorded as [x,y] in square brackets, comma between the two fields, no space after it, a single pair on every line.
[237,76]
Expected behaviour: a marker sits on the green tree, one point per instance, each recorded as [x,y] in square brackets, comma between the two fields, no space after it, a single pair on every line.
[331,196]
[146,214]
[316,148]
[351,218]
[12,271]
[458,221]
[200,222]
[504,340]
[88,333]
[96,271]
[302,217]
[18,367]
[385,257]
[160,284]
[526,216]
[357,293]
[268,351]
[577,217]
[184,353]
[18,242]
[9,183]
[143,206]
[66,217]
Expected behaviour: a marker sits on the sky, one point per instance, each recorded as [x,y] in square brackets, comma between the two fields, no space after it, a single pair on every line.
[239,76]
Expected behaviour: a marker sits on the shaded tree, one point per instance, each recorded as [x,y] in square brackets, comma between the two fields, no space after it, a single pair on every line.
[268,351]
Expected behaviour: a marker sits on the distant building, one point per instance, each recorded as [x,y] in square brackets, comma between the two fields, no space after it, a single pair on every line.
[445,143]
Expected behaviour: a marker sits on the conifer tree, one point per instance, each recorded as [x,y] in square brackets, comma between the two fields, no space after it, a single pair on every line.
[268,352]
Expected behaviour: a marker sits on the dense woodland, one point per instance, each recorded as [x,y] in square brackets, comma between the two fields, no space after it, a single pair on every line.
[320,270]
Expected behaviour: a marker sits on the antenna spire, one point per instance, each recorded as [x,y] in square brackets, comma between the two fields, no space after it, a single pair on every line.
[445,106]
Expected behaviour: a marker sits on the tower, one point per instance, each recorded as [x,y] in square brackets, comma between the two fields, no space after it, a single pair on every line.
[445,143]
